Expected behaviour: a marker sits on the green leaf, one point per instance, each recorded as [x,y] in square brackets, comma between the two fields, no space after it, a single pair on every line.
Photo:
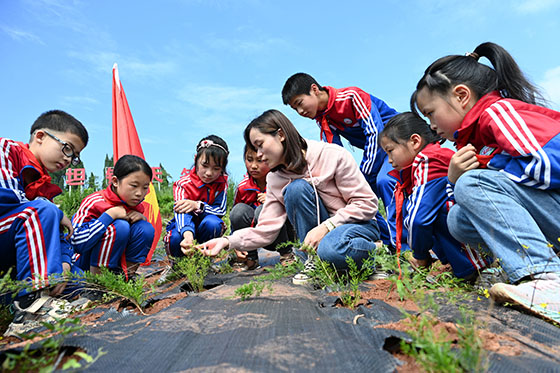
[83,355]
[71,364]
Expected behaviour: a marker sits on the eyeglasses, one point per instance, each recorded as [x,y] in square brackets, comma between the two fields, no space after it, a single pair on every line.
[67,149]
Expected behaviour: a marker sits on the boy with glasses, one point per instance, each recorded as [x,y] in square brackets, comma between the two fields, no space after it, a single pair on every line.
[31,242]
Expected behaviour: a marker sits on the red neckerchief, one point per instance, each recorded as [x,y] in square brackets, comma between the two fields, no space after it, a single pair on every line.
[112,200]
[322,118]
[42,186]
[214,186]
[404,183]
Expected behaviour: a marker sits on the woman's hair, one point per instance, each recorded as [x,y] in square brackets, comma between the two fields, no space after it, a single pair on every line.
[215,148]
[128,164]
[401,127]
[506,76]
[269,123]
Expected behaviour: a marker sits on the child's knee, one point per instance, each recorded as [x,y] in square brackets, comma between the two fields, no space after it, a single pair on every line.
[143,231]
[241,214]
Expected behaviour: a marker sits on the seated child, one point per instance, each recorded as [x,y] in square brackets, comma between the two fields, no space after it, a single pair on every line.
[420,167]
[505,175]
[109,228]
[30,224]
[248,204]
[358,117]
[200,198]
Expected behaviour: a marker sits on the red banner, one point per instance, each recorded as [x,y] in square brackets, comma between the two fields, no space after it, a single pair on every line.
[126,141]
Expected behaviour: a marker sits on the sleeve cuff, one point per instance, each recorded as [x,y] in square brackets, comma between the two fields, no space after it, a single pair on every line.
[106,219]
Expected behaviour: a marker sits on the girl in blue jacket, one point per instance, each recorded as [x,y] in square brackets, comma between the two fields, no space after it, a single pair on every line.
[420,167]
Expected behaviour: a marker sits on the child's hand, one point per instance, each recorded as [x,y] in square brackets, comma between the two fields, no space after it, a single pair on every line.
[461,162]
[66,223]
[187,243]
[241,254]
[185,206]
[315,236]
[261,197]
[117,212]
[214,246]
[134,216]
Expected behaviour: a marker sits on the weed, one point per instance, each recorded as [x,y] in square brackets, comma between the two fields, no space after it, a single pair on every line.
[257,286]
[194,267]
[47,357]
[116,285]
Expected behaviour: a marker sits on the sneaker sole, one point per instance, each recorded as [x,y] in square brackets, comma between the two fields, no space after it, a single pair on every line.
[499,292]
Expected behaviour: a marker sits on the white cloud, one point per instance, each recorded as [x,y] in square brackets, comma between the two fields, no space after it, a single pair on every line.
[229,99]
[20,35]
[103,61]
[534,6]
[551,86]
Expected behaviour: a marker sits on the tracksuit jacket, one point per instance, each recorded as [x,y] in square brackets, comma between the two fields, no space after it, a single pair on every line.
[30,235]
[517,138]
[358,117]
[96,232]
[213,196]
[247,192]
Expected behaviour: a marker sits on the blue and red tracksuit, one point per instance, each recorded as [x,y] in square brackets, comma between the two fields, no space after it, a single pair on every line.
[359,117]
[205,223]
[30,237]
[247,192]
[422,206]
[102,241]
[517,138]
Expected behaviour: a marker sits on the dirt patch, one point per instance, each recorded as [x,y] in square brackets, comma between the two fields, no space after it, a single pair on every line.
[501,344]
[164,303]
[386,291]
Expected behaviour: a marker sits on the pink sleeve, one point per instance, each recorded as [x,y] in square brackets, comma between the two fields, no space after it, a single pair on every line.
[361,202]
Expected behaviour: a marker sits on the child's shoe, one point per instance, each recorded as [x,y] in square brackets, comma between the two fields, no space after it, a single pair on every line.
[246,265]
[540,296]
[304,276]
[287,258]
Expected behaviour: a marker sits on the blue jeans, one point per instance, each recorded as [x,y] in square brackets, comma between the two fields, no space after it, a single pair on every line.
[518,224]
[354,240]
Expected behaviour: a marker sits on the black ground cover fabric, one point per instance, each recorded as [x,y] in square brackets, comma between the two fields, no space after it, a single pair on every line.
[293,328]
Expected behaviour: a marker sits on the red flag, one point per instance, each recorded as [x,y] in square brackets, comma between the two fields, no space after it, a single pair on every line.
[126,141]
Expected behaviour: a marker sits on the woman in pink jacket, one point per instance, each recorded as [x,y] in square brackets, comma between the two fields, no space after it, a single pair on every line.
[317,186]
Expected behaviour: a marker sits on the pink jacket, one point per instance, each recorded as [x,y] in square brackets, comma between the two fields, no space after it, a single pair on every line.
[339,182]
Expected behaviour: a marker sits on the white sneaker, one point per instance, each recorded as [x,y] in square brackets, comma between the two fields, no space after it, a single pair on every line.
[540,296]
[304,276]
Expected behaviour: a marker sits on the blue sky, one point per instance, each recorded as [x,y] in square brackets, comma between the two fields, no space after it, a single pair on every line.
[196,67]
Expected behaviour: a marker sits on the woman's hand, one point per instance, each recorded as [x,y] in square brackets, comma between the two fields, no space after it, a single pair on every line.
[187,243]
[462,161]
[66,223]
[214,246]
[315,236]
[185,206]
[134,216]
[117,212]
[261,197]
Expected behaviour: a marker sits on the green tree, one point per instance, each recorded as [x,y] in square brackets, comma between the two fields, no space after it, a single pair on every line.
[92,182]
[108,163]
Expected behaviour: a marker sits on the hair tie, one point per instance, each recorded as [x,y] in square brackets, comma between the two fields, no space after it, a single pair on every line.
[208,143]
[473,55]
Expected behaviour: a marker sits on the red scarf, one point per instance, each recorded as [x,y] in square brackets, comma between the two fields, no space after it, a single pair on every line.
[400,190]
[326,131]
[42,186]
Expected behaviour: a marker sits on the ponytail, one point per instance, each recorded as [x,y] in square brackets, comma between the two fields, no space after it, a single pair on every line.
[506,76]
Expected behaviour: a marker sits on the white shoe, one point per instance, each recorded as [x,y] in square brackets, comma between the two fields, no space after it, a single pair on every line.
[304,276]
